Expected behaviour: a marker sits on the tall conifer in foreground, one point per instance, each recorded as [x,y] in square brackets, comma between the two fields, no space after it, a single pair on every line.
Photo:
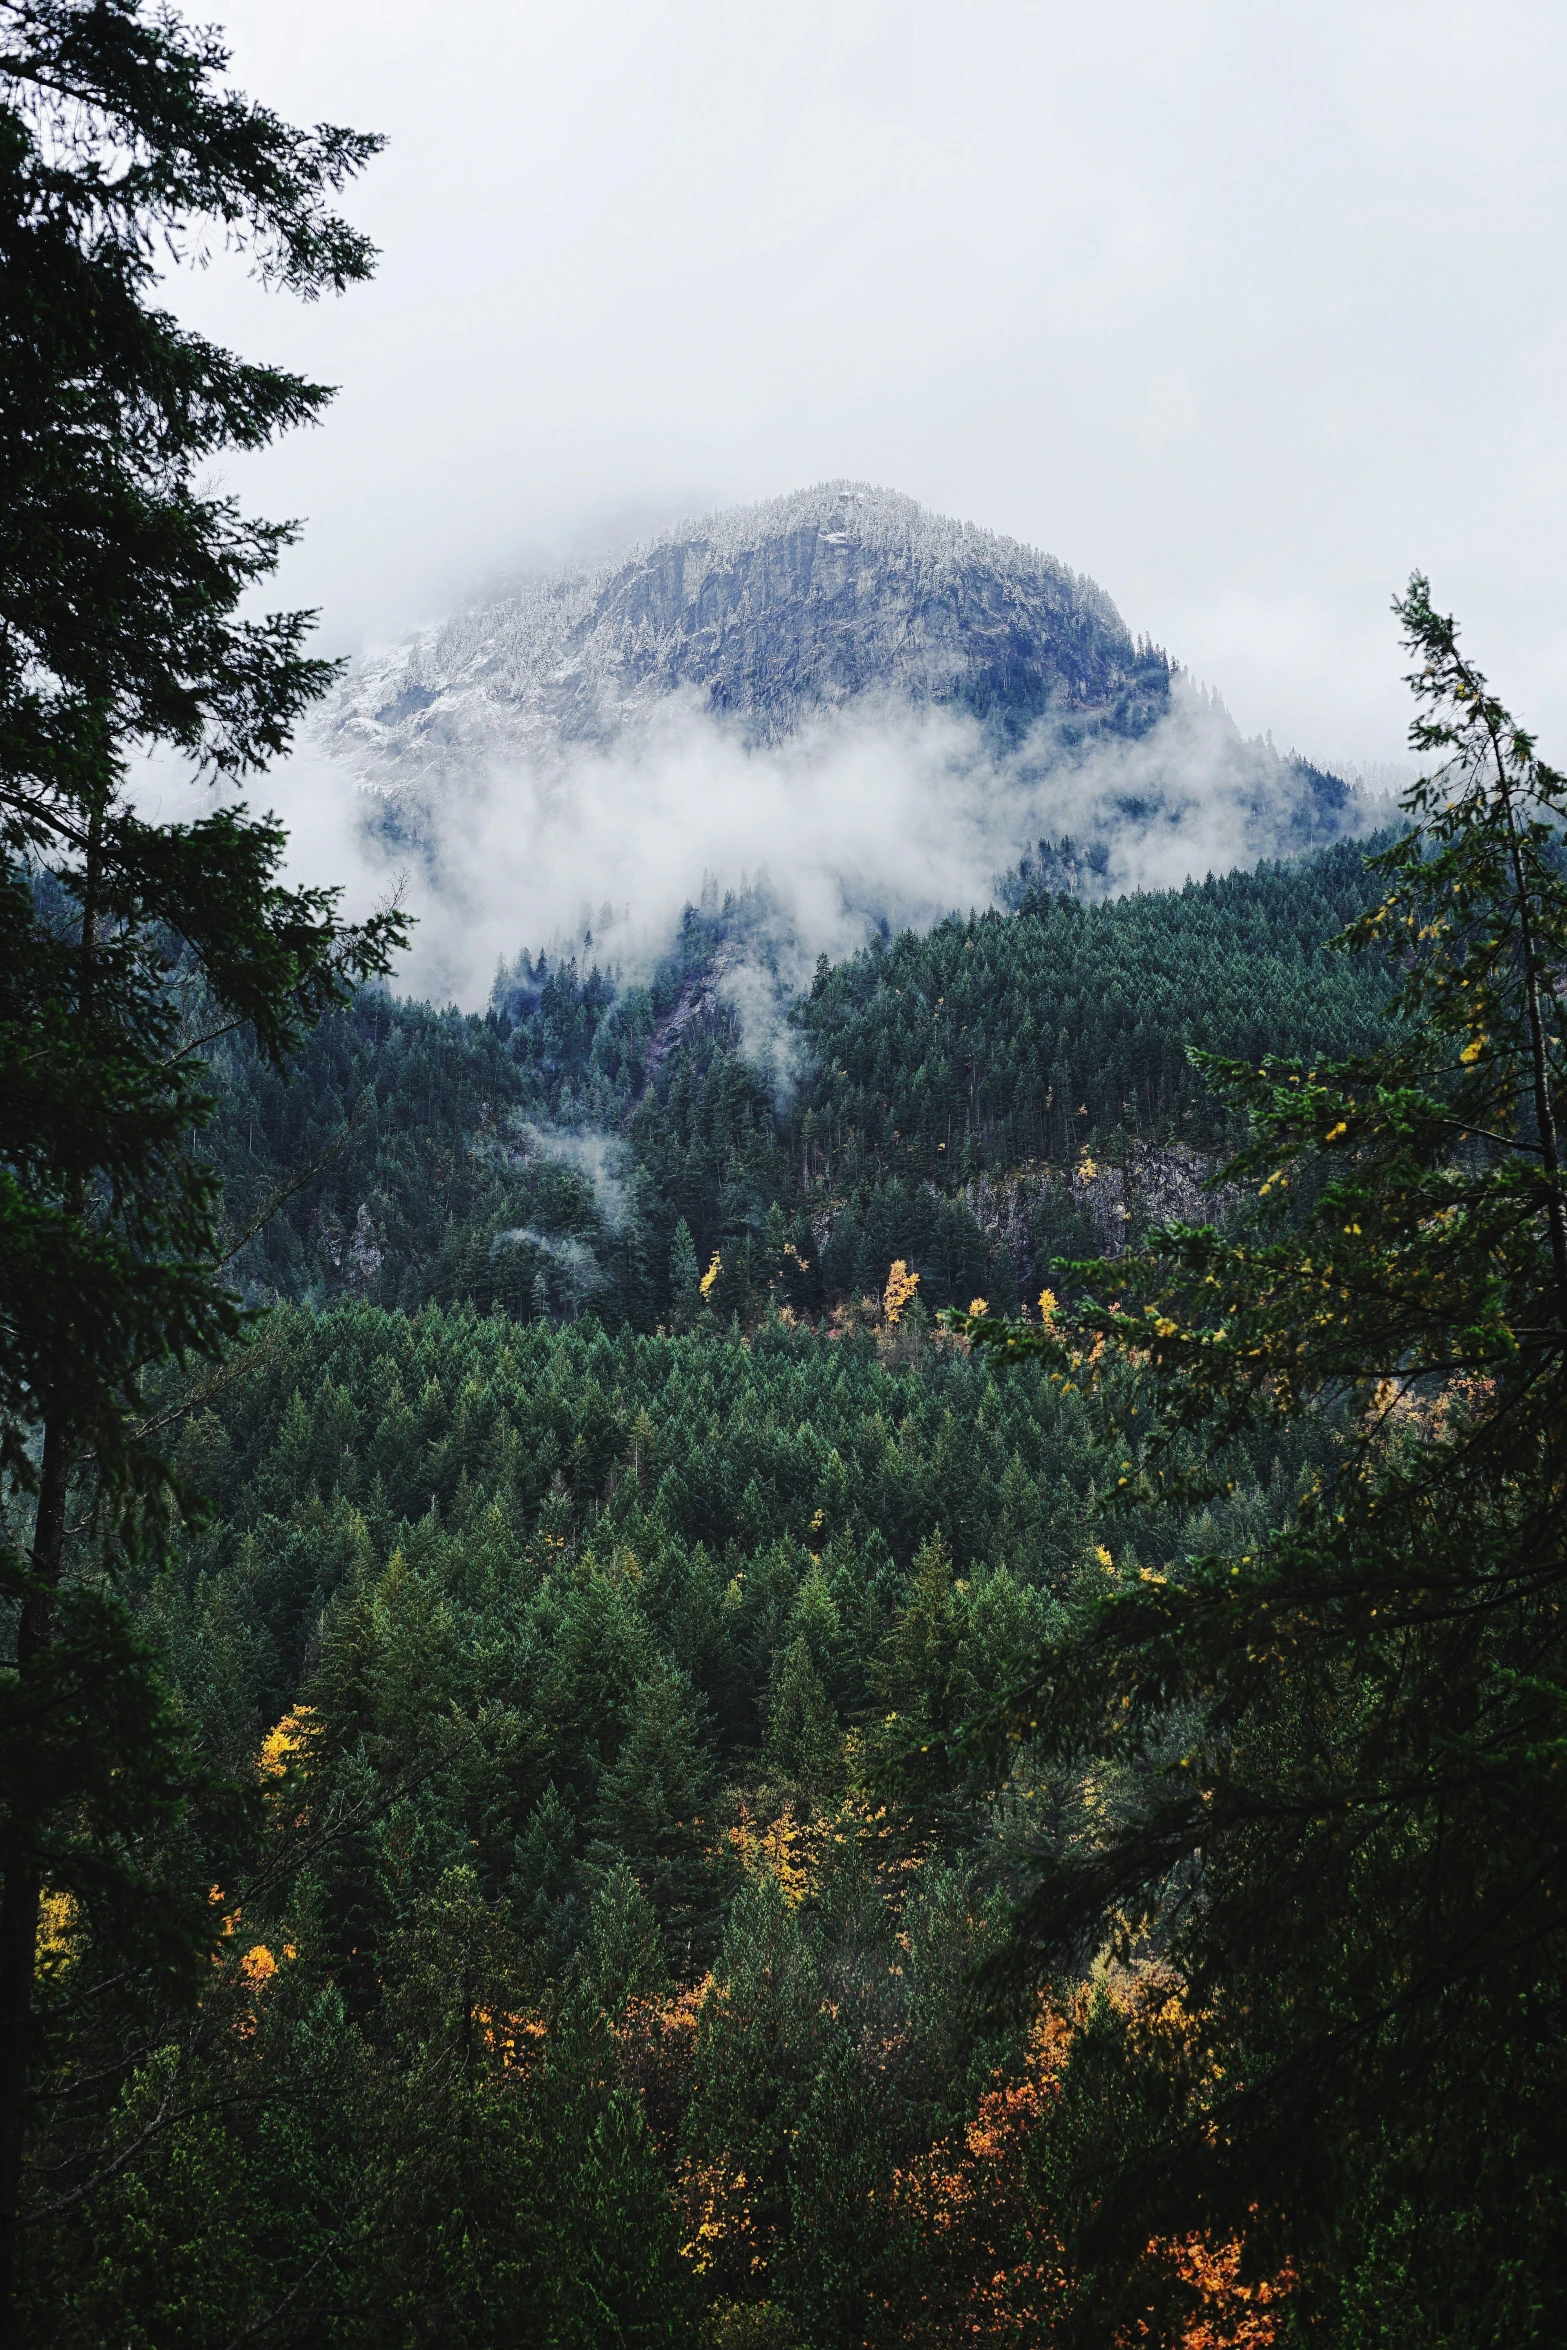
[121,576]
[1350,1745]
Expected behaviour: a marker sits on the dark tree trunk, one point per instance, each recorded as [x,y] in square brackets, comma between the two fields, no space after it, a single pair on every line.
[20,1900]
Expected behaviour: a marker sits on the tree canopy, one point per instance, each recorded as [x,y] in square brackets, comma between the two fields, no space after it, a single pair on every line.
[122,581]
[1348,1829]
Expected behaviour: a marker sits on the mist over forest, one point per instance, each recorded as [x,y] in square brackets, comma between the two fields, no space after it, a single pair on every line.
[782,1360]
[877,710]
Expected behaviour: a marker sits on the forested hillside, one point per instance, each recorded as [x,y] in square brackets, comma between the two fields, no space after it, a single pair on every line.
[650,1693]
[606,1556]
[544,1155]
[606,1931]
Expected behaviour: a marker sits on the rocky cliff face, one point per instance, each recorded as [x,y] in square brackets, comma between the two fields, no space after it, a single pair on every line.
[763,616]
[1154,1183]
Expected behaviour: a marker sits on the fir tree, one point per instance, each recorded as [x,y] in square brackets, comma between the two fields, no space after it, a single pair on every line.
[685,1278]
[629,2286]
[756,2045]
[624,1957]
[1350,1820]
[652,1803]
[120,577]
[803,1737]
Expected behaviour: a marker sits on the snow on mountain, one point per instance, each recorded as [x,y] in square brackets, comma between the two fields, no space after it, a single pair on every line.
[762,616]
[882,708]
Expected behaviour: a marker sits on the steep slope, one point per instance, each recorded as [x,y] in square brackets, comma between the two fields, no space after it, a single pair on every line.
[762,615]
[945,1091]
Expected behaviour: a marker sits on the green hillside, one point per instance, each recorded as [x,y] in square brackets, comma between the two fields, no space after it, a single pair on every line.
[604,1638]
[921,1063]
[583,1649]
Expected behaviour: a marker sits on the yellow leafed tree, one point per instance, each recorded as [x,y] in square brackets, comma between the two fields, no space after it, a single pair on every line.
[901,1285]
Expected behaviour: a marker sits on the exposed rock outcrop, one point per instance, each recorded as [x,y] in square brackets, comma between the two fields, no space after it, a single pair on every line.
[763,615]
[1154,1183]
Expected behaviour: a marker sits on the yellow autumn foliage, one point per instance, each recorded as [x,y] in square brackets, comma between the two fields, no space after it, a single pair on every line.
[284,1741]
[901,1285]
[56,1924]
[785,1849]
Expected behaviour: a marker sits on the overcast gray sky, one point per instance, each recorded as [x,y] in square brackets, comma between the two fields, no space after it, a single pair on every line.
[1244,309]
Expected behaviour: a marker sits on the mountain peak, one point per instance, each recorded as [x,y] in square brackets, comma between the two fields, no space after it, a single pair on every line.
[764,615]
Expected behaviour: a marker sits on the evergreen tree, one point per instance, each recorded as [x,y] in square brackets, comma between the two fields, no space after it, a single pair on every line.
[624,1957]
[920,1683]
[652,1804]
[545,1854]
[685,1276]
[840,2210]
[803,1737]
[629,2286]
[120,575]
[756,2046]
[1348,1826]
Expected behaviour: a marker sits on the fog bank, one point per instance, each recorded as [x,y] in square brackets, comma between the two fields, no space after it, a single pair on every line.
[887,814]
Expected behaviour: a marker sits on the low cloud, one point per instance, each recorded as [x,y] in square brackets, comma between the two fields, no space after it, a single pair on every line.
[886,815]
[574,1273]
[603,1161]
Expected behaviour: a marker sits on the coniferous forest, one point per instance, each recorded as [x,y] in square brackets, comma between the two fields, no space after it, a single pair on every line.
[898,1681]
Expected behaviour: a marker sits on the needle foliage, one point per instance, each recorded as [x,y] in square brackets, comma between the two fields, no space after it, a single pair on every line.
[1350,1826]
[123,581]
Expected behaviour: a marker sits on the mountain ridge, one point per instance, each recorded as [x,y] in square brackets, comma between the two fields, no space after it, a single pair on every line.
[764,615]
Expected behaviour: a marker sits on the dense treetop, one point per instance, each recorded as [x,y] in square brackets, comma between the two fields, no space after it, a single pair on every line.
[993,1043]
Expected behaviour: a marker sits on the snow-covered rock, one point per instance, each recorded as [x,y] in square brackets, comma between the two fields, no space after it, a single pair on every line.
[764,616]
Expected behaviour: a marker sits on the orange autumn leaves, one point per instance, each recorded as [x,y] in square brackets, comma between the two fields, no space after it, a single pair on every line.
[975,2240]
[1000,2274]
[1235,2314]
[979,2251]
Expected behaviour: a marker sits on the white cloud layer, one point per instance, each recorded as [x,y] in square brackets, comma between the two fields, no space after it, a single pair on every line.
[875,813]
